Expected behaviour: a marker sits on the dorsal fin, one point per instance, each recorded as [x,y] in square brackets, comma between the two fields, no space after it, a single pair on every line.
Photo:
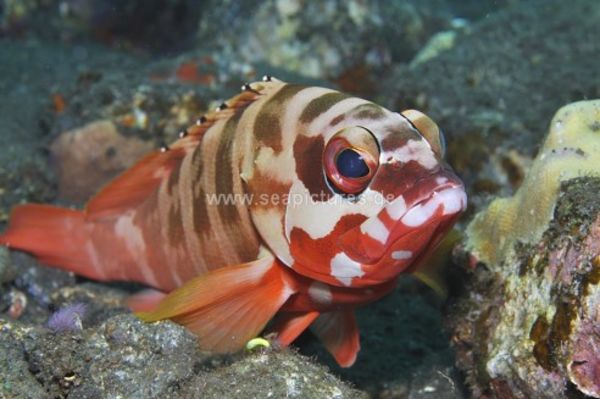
[134,185]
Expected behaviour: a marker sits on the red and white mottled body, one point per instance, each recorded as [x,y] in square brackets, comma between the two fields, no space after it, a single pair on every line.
[257,201]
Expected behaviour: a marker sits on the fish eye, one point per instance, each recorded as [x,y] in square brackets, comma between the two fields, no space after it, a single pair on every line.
[351,164]
[350,160]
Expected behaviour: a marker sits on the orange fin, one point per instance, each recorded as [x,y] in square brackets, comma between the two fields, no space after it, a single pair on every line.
[290,325]
[55,236]
[229,306]
[146,300]
[339,333]
[135,184]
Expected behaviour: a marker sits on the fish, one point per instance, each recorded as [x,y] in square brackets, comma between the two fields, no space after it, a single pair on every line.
[284,209]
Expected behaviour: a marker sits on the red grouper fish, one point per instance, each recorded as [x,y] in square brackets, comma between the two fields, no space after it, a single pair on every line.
[290,203]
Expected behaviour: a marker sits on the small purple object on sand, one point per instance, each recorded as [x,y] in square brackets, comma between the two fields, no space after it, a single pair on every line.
[67,318]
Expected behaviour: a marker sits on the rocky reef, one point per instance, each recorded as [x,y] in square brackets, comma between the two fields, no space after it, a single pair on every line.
[87,86]
[124,357]
[527,326]
[70,339]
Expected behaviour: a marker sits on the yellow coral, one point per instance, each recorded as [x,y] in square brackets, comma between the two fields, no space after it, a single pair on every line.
[572,149]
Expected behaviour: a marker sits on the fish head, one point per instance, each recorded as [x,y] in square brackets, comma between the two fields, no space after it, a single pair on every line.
[389,199]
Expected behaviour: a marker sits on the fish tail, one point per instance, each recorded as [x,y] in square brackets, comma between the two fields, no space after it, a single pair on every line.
[55,236]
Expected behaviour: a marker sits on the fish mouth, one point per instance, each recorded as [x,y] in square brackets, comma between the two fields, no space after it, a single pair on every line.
[410,225]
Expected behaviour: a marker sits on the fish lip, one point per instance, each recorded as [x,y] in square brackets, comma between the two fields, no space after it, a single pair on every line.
[452,189]
[450,185]
[436,224]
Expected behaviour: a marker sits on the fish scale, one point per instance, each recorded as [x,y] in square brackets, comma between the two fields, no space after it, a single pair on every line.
[246,218]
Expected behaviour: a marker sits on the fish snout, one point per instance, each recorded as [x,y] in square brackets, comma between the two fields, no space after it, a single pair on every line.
[407,225]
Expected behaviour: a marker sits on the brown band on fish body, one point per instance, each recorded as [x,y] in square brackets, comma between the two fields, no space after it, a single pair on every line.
[397,139]
[321,104]
[310,150]
[267,126]
[337,119]
[368,111]
[173,181]
[224,168]
[233,215]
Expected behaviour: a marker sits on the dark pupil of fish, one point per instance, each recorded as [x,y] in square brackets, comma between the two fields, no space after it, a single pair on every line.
[351,164]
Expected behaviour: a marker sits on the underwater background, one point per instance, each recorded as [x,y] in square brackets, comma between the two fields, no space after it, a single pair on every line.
[124,77]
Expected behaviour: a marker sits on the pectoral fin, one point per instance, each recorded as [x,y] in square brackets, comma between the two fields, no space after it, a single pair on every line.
[339,333]
[432,269]
[290,325]
[229,306]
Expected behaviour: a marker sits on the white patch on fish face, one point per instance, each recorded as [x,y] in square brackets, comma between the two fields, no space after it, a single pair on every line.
[280,167]
[133,238]
[374,228]
[320,293]
[452,200]
[420,214]
[402,255]
[318,218]
[397,208]
[455,200]
[345,269]
[415,150]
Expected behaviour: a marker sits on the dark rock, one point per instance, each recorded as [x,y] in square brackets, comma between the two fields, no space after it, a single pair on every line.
[335,39]
[17,380]
[276,375]
[125,357]
[89,157]
[38,283]
[8,272]
[122,356]
[157,26]
[28,114]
